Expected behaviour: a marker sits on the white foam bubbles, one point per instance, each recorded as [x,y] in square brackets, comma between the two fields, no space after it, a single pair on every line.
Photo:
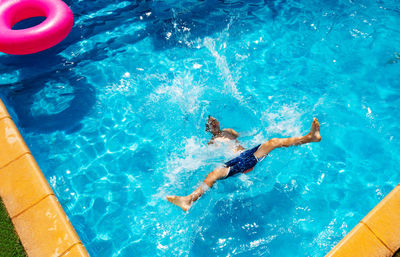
[285,121]
[184,91]
[180,168]
[220,60]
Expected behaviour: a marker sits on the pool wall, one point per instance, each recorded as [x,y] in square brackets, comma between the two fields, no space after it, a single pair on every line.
[377,234]
[38,218]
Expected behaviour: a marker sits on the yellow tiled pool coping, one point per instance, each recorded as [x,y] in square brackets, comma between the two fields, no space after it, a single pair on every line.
[38,218]
[377,234]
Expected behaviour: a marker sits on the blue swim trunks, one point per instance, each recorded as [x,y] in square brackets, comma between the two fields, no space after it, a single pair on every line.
[243,163]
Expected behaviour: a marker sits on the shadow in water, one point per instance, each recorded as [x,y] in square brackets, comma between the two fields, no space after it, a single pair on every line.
[169,25]
[54,102]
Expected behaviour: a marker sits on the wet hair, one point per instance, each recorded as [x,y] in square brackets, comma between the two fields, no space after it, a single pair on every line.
[211,124]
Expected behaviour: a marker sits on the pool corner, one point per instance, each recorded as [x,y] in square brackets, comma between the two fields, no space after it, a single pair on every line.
[377,234]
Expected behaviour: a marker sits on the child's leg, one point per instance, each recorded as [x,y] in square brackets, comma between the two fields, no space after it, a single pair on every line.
[185,202]
[312,136]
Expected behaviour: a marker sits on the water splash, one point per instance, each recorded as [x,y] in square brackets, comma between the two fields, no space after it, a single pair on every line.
[184,91]
[220,60]
[183,169]
[284,121]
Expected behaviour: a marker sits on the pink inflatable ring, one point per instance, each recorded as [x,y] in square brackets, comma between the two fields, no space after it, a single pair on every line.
[51,31]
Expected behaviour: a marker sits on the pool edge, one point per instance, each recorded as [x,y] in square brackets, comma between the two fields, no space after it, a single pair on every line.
[377,234]
[38,218]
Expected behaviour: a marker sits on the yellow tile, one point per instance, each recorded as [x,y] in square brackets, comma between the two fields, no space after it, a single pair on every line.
[11,143]
[360,242]
[384,220]
[44,229]
[3,110]
[76,251]
[22,184]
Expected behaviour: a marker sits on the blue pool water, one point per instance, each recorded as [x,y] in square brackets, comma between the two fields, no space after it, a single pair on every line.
[115,117]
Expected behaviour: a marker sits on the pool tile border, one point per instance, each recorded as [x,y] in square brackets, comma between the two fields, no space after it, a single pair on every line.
[377,234]
[3,111]
[39,220]
[10,141]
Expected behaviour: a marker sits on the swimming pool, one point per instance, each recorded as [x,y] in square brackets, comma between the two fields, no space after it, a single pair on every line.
[124,99]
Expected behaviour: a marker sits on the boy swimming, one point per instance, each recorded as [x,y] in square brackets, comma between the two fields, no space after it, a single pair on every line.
[243,163]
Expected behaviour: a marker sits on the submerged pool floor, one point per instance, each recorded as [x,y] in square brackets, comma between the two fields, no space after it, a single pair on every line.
[123,101]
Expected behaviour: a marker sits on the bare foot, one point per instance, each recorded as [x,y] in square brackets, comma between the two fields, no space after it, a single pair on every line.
[314,132]
[180,201]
